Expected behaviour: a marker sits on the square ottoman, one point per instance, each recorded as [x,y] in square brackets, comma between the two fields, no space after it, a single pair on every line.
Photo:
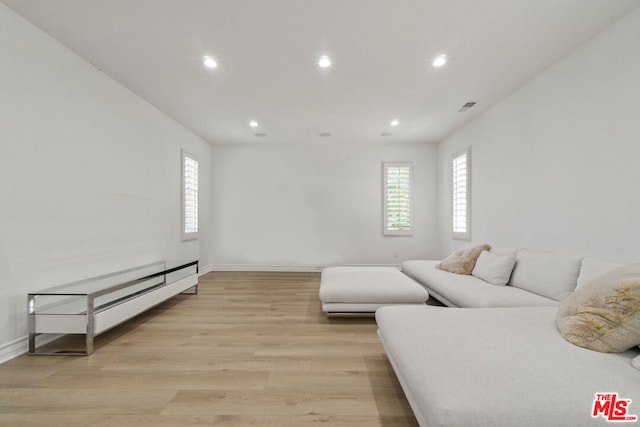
[360,290]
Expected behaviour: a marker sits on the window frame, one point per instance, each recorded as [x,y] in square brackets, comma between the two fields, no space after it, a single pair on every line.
[191,235]
[385,226]
[461,235]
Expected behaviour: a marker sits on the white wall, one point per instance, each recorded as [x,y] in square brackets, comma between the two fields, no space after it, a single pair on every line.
[313,204]
[89,174]
[555,164]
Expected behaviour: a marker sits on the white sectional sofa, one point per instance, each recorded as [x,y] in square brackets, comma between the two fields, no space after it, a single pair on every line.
[538,279]
[495,357]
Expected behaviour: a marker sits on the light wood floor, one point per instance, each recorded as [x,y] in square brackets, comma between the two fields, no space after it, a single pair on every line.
[249,349]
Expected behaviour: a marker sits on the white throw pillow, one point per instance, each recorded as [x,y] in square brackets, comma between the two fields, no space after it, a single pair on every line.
[495,269]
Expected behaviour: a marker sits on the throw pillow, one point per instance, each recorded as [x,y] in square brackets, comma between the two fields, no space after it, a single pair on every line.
[495,269]
[463,260]
[604,315]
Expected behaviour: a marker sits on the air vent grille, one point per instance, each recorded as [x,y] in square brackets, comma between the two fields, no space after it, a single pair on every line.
[466,106]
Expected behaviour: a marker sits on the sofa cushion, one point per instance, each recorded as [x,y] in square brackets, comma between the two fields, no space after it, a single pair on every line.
[550,275]
[462,260]
[636,362]
[457,290]
[499,367]
[592,268]
[493,268]
[604,315]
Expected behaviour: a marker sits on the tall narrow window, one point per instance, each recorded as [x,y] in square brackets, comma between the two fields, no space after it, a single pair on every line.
[398,198]
[461,194]
[189,196]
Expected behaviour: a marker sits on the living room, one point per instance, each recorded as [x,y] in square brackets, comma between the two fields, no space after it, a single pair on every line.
[91,169]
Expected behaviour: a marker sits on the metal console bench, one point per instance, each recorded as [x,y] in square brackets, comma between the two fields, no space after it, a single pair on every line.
[94,305]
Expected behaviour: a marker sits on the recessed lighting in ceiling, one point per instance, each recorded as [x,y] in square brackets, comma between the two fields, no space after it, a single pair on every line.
[439,61]
[324,134]
[395,122]
[324,61]
[260,134]
[386,134]
[209,62]
[253,124]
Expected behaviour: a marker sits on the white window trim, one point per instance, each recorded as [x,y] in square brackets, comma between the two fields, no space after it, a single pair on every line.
[385,230]
[188,235]
[465,235]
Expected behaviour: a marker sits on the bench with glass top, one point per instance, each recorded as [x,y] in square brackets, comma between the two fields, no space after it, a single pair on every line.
[92,306]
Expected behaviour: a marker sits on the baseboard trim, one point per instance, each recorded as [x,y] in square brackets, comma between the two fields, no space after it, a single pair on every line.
[289,268]
[20,346]
[279,268]
[204,269]
[13,349]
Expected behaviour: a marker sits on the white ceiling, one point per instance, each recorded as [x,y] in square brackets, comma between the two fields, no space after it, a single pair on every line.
[268,50]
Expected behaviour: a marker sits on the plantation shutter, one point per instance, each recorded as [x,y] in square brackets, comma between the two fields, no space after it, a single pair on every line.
[189,196]
[398,198]
[460,168]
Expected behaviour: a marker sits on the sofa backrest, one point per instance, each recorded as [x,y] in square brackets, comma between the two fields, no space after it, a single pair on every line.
[593,268]
[502,251]
[550,275]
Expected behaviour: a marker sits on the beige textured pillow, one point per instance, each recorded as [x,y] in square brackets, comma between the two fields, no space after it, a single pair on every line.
[463,260]
[604,314]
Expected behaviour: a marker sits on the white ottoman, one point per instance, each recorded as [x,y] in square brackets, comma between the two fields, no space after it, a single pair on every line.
[358,290]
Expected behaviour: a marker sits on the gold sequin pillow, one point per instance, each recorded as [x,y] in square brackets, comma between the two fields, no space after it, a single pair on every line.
[604,314]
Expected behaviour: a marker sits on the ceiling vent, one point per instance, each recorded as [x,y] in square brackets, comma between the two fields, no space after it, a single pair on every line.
[466,106]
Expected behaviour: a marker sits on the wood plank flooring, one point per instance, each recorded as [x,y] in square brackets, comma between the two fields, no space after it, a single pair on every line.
[251,349]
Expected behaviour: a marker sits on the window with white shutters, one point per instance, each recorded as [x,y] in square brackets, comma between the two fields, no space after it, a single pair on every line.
[460,194]
[189,196]
[398,198]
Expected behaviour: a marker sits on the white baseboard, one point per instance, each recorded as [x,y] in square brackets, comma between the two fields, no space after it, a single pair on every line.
[254,267]
[18,347]
[13,349]
[205,269]
[288,268]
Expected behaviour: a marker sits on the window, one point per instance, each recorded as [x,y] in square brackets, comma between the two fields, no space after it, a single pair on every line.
[189,196]
[398,198]
[461,194]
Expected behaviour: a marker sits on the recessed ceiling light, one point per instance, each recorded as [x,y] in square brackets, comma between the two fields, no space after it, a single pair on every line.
[439,61]
[395,122]
[324,134]
[260,134]
[253,124]
[209,62]
[324,61]
[386,134]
